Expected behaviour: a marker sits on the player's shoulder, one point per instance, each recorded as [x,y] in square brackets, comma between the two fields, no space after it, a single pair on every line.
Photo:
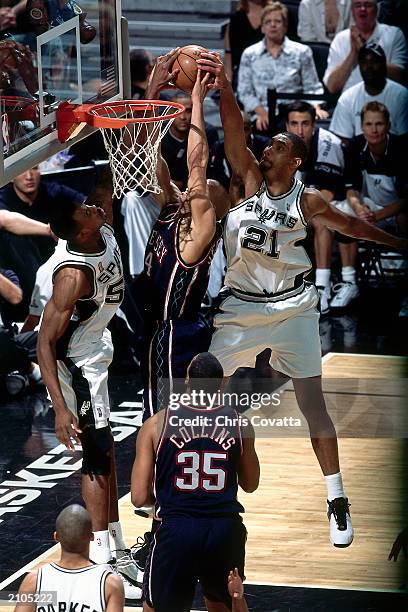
[107,229]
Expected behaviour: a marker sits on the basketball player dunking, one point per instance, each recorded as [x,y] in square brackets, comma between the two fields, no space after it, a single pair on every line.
[74,353]
[177,258]
[76,581]
[270,305]
[192,458]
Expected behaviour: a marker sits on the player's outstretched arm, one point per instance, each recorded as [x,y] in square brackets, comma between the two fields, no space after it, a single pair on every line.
[114,594]
[70,285]
[314,205]
[239,156]
[16,223]
[28,586]
[143,466]
[162,74]
[202,211]
[103,193]
[248,469]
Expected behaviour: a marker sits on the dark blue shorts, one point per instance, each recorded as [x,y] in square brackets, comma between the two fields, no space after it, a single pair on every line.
[166,357]
[185,550]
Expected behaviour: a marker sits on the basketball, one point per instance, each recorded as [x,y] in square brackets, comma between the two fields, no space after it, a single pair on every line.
[186,62]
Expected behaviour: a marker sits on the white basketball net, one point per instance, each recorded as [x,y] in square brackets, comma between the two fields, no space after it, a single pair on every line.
[133,149]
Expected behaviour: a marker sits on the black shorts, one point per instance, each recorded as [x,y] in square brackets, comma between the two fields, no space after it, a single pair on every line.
[185,550]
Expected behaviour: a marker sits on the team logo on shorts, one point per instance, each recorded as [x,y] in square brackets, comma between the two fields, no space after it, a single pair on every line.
[84,408]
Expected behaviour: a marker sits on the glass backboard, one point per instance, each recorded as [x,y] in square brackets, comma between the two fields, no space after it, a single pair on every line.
[63,50]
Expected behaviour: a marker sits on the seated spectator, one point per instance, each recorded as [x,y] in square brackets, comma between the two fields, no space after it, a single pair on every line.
[243,30]
[141,65]
[376,182]
[17,351]
[275,63]
[342,66]
[323,170]
[174,143]
[321,20]
[375,87]
[219,168]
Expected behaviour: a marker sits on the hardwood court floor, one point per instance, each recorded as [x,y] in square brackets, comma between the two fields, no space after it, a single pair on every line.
[287,528]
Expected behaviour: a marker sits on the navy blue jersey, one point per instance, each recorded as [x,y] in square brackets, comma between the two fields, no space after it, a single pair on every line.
[197,463]
[174,290]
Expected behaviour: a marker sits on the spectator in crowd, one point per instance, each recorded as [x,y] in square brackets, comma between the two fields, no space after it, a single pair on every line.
[219,168]
[342,66]
[275,63]
[243,30]
[141,65]
[321,20]
[323,170]
[174,143]
[375,87]
[376,183]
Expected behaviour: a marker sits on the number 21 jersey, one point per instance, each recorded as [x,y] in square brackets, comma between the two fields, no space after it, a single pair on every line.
[261,237]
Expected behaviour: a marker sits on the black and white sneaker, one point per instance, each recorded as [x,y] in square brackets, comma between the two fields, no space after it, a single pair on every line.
[126,570]
[324,295]
[341,529]
[140,550]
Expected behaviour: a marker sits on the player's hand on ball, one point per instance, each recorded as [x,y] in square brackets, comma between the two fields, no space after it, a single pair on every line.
[211,62]
[66,428]
[162,75]
[201,86]
[235,586]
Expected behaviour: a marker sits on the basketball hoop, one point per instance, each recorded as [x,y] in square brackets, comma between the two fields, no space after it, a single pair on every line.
[131,131]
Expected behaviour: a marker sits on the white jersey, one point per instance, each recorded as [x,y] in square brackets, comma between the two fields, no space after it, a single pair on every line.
[77,589]
[86,334]
[140,214]
[261,238]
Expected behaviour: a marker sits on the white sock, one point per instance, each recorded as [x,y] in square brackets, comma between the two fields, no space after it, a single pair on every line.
[116,538]
[348,274]
[334,483]
[323,277]
[99,550]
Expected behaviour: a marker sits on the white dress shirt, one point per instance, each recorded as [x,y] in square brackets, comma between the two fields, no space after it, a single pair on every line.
[312,22]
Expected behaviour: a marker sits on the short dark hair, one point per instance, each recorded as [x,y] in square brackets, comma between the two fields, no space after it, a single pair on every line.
[299,148]
[74,528]
[375,107]
[300,106]
[139,64]
[61,219]
[205,372]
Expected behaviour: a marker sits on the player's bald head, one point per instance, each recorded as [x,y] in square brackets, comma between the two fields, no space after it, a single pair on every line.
[205,373]
[74,528]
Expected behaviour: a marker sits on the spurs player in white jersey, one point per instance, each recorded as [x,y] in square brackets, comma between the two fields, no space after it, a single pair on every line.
[74,353]
[270,305]
[74,582]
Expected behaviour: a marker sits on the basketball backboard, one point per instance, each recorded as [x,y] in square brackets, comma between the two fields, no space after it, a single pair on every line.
[72,51]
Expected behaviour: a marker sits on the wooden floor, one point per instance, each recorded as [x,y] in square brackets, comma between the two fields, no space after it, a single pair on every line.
[287,528]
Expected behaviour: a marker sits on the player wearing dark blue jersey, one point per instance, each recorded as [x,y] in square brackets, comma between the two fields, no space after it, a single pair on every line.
[190,460]
[177,259]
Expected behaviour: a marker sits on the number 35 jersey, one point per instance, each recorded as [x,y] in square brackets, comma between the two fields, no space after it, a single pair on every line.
[261,237]
[86,334]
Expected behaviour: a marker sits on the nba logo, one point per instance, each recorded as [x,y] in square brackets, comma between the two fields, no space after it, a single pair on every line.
[5,133]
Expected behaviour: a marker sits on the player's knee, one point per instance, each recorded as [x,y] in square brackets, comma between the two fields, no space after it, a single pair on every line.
[97,446]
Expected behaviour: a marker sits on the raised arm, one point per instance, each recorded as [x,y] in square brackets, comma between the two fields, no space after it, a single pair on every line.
[20,224]
[314,205]
[70,285]
[239,156]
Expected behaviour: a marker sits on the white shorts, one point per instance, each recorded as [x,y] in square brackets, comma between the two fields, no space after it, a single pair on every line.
[289,327]
[84,385]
